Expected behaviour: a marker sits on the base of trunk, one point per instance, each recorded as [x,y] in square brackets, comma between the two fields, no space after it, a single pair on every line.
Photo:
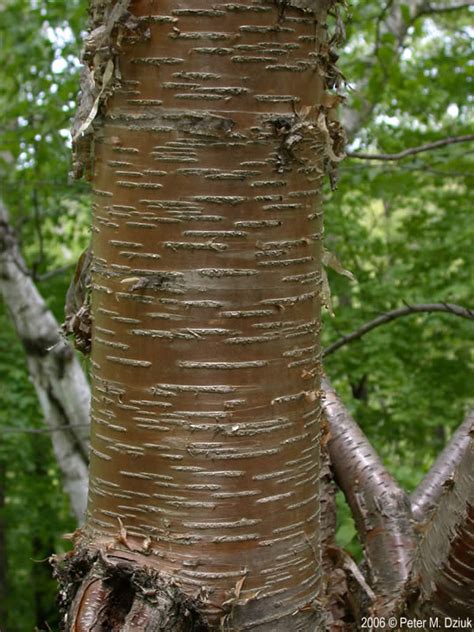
[114,591]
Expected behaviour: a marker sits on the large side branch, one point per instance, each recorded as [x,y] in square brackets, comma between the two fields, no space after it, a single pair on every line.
[445,557]
[380,508]
[60,383]
[426,496]
[412,151]
[450,308]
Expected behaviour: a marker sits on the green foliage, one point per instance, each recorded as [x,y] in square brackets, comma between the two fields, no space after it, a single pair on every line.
[38,95]
[346,533]
[403,229]
[36,510]
[40,41]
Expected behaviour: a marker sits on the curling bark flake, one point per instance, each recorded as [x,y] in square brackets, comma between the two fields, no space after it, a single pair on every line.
[207,167]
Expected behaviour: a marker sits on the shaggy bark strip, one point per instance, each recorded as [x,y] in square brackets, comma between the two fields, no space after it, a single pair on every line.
[334,599]
[60,383]
[380,508]
[115,594]
[426,496]
[208,164]
[445,564]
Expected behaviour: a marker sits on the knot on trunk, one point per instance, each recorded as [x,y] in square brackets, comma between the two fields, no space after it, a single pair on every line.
[117,591]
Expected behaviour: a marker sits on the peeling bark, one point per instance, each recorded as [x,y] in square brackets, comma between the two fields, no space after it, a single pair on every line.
[445,559]
[380,508]
[208,160]
[118,592]
[77,310]
[310,6]
[426,496]
[110,22]
[334,599]
[58,378]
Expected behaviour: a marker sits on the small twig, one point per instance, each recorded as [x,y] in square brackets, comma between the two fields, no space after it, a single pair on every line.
[446,8]
[54,273]
[10,430]
[351,567]
[449,308]
[451,140]
[410,169]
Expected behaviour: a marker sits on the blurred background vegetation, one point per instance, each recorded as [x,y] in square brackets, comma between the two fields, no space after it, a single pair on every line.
[403,228]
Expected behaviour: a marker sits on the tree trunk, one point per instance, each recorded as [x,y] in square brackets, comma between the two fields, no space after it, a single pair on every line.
[60,383]
[207,171]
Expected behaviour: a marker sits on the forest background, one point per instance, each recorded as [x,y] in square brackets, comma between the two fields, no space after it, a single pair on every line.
[400,224]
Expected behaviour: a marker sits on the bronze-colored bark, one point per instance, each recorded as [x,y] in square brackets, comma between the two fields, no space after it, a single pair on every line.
[445,559]
[426,496]
[207,169]
[380,508]
[335,590]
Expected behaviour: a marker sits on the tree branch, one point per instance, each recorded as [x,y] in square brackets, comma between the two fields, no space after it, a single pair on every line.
[450,308]
[10,430]
[51,274]
[412,151]
[380,507]
[426,496]
[445,556]
[447,8]
[60,383]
